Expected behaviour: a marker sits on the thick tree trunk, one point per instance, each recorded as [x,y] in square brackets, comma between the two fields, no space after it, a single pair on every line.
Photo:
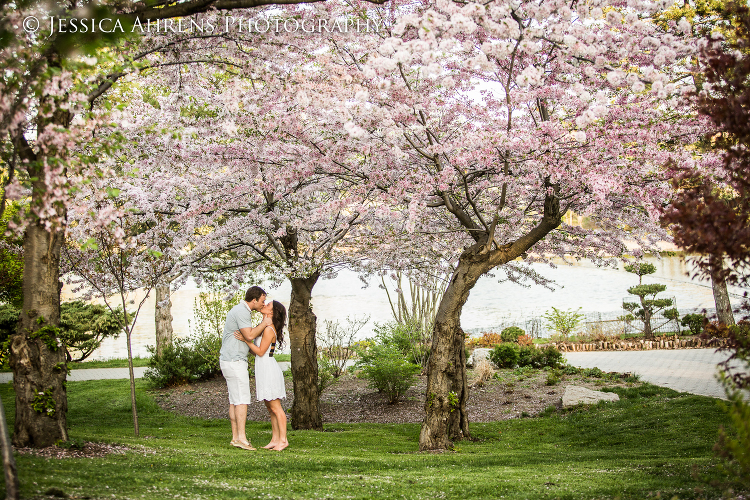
[302,322]
[36,355]
[721,295]
[163,318]
[447,392]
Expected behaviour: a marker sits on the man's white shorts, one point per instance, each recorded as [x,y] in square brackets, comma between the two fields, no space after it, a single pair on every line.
[238,381]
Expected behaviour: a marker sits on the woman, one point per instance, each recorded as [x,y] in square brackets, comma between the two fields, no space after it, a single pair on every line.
[269,379]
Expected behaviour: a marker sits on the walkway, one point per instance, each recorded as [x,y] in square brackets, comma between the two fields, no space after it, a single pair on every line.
[106,373]
[684,370]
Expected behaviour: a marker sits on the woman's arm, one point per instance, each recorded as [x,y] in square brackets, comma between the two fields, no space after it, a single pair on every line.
[269,336]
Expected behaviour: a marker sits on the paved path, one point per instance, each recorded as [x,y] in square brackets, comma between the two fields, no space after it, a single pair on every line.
[106,373]
[684,370]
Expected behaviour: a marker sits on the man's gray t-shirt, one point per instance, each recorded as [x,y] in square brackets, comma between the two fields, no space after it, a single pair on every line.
[240,316]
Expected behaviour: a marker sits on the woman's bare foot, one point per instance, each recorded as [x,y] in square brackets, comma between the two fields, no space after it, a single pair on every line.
[281,446]
[271,445]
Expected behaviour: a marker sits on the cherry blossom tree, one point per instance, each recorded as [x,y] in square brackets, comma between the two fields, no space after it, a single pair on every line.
[487,123]
[50,79]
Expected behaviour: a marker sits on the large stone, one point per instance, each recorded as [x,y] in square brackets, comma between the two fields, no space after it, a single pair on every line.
[575,395]
[478,355]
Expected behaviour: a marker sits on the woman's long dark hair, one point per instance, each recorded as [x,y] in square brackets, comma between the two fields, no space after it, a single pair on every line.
[278,318]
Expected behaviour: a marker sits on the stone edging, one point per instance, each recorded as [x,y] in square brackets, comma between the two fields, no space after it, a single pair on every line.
[640,345]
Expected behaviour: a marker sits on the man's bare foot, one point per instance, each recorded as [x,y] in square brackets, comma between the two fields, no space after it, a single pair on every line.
[281,446]
[271,445]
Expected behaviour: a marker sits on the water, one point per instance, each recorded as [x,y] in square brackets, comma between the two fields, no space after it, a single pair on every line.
[490,304]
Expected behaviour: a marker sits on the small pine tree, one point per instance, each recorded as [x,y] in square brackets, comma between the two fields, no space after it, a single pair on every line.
[648,305]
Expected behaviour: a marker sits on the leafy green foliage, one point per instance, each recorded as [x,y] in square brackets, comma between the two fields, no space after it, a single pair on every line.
[387,370]
[511,334]
[563,322]
[180,362]
[84,326]
[693,322]
[641,269]
[11,261]
[505,355]
[734,439]
[544,357]
[408,337]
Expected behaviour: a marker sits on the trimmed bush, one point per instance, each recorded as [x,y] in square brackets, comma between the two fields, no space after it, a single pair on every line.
[387,370]
[184,361]
[543,357]
[693,322]
[511,334]
[506,355]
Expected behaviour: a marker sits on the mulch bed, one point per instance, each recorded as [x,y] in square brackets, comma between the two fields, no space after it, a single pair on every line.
[350,400]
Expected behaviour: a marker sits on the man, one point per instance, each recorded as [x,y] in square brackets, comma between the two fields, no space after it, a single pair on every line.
[233,360]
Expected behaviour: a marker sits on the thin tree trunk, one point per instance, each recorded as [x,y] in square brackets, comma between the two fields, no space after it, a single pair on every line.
[163,318]
[721,295]
[302,323]
[133,405]
[648,333]
[12,487]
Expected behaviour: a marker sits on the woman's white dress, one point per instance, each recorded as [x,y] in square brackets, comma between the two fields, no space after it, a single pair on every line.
[269,379]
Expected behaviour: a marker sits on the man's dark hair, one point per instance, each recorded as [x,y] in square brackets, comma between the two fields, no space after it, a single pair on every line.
[254,293]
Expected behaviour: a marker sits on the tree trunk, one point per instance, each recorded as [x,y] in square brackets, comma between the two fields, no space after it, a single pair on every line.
[721,295]
[12,488]
[163,318]
[36,355]
[447,392]
[302,321]
[648,333]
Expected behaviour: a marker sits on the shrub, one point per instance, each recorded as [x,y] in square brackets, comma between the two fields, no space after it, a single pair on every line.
[408,337]
[505,355]
[326,370]
[184,361]
[511,334]
[336,343]
[543,357]
[488,339]
[387,370]
[716,330]
[734,439]
[525,340]
[563,322]
[693,322]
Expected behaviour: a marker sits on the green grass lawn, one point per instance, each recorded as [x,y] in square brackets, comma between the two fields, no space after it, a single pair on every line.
[654,443]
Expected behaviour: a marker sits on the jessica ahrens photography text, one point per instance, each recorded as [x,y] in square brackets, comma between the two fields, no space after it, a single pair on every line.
[218,24]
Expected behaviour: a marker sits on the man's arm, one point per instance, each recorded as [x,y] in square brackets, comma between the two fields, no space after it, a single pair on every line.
[250,333]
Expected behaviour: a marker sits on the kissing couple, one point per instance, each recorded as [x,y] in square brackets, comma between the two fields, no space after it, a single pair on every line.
[239,338]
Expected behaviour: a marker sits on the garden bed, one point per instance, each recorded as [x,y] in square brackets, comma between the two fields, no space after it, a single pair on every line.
[510,394]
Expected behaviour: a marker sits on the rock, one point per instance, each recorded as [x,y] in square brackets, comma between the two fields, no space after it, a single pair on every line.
[478,355]
[575,395]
